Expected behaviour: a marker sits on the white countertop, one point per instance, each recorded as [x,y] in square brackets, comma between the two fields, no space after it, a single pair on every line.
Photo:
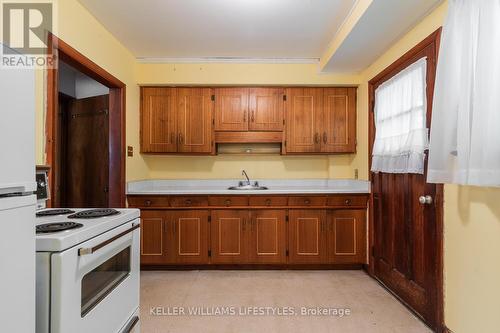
[275,186]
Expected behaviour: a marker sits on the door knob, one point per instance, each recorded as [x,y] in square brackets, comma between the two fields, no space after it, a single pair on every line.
[425,200]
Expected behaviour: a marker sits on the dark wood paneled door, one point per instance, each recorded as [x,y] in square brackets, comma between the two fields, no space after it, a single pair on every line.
[267,236]
[156,238]
[195,114]
[407,233]
[229,240]
[190,233]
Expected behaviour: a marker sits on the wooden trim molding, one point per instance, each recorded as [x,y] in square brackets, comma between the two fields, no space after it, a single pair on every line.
[409,57]
[117,94]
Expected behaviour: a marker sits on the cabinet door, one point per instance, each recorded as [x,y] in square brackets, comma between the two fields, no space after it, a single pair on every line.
[195,120]
[266,109]
[307,236]
[303,108]
[231,109]
[158,120]
[229,236]
[347,236]
[338,126]
[190,236]
[156,238]
[267,236]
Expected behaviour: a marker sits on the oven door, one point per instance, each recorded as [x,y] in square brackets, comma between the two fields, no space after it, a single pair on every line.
[95,285]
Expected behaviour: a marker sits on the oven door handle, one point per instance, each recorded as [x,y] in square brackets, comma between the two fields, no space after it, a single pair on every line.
[89,250]
[131,324]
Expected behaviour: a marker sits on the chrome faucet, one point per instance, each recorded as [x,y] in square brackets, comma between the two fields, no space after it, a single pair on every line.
[244,173]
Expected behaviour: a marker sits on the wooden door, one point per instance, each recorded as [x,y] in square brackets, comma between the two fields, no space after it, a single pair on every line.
[347,236]
[158,120]
[195,114]
[190,231]
[85,154]
[407,234]
[231,109]
[267,236]
[229,240]
[307,236]
[156,238]
[266,109]
[338,125]
[302,119]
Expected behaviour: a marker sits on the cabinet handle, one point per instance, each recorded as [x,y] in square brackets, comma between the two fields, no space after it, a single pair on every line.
[175,227]
[244,116]
[325,138]
[147,203]
[227,202]
[188,202]
[307,201]
[347,201]
[172,138]
[244,224]
[181,139]
[316,138]
[322,225]
[253,117]
[268,202]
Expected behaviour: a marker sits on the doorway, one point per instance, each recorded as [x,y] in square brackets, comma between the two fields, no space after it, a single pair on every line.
[406,235]
[85,131]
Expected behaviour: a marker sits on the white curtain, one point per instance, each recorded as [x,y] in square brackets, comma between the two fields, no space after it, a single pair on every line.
[465,130]
[400,122]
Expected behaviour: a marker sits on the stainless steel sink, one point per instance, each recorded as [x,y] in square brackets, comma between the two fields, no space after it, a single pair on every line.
[247,187]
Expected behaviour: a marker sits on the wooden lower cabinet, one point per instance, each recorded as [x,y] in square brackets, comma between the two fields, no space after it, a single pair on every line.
[307,236]
[347,236]
[267,236]
[156,238]
[190,232]
[229,236]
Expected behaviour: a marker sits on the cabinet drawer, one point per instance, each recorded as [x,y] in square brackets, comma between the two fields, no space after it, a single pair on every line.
[188,201]
[348,201]
[307,201]
[268,201]
[148,201]
[228,201]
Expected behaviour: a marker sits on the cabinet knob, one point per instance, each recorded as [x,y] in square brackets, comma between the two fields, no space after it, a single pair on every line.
[325,138]
[227,202]
[425,200]
[252,118]
[316,138]
[147,203]
[307,201]
[188,202]
[347,201]
[268,202]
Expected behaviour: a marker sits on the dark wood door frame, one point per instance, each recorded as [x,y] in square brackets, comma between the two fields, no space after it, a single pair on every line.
[63,51]
[400,64]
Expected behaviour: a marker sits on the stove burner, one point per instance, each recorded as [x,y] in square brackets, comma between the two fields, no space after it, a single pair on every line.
[52,212]
[55,227]
[94,213]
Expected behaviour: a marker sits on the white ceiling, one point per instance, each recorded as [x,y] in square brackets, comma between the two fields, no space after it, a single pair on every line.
[222,28]
[384,22]
[295,31]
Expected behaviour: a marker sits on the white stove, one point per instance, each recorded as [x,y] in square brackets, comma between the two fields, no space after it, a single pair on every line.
[87,270]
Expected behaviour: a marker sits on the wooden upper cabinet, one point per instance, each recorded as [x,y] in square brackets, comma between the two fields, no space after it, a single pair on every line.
[195,115]
[338,120]
[266,109]
[231,109]
[303,120]
[158,120]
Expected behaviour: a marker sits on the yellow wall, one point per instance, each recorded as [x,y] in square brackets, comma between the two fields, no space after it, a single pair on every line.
[224,166]
[471,223]
[77,27]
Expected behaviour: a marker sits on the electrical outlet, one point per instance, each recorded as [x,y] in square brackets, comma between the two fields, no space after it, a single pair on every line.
[356,174]
[130,151]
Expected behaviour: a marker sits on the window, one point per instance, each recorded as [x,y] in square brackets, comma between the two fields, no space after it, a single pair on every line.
[401,136]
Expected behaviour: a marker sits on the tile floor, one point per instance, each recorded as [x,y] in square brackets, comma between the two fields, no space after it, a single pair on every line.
[372,309]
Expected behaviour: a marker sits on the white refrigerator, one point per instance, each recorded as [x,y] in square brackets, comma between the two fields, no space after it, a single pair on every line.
[17,201]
